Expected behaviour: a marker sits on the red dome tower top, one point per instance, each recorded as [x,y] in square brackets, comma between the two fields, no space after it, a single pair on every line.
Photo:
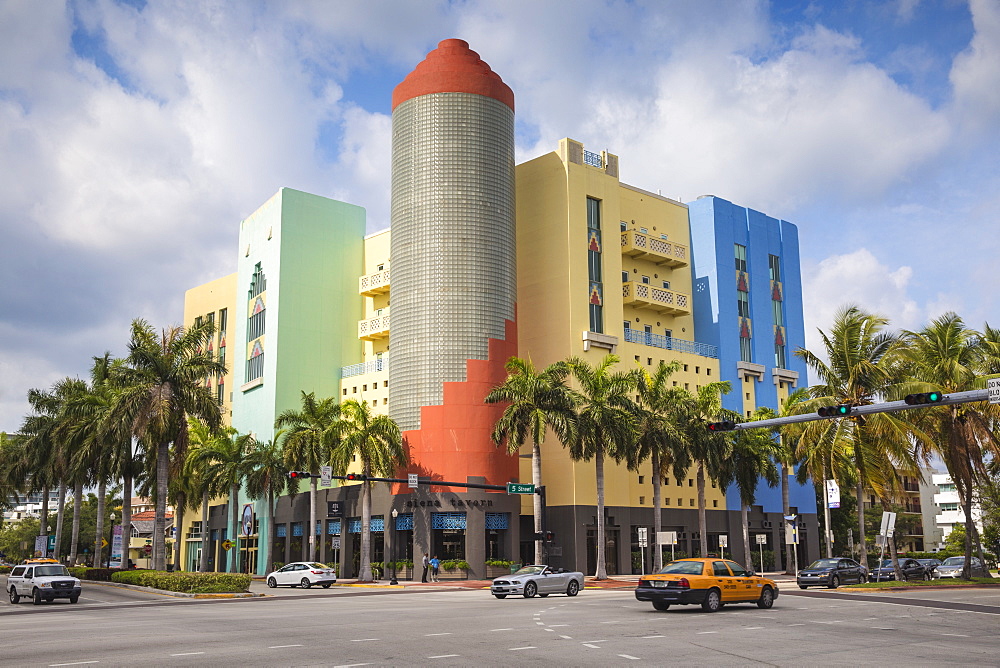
[453,68]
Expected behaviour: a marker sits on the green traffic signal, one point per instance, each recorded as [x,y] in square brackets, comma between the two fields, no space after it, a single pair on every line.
[924,398]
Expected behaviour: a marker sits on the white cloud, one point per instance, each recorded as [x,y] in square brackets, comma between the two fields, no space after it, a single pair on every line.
[975,74]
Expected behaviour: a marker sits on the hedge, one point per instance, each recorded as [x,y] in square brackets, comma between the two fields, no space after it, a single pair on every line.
[98,574]
[192,583]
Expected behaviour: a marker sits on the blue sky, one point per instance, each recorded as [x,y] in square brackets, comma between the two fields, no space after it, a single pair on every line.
[135,136]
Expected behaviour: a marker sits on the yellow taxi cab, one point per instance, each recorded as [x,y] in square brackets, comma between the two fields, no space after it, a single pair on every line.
[40,560]
[711,582]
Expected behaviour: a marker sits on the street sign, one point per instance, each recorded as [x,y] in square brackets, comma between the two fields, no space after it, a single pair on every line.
[326,476]
[832,494]
[791,532]
[723,540]
[411,480]
[52,542]
[993,387]
[227,544]
[40,544]
[104,542]
[762,539]
[520,488]
[643,537]
[888,523]
[335,543]
[334,509]
[666,537]
[246,525]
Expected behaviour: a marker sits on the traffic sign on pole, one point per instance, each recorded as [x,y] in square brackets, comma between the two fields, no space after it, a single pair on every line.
[993,387]
[411,481]
[326,476]
[520,488]
[643,536]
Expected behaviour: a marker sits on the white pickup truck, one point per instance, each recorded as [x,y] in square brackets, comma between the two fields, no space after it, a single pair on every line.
[42,582]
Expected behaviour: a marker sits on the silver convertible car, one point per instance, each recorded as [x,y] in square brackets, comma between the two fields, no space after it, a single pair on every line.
[540,580]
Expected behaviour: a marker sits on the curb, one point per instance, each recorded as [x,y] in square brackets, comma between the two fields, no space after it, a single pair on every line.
[174,594]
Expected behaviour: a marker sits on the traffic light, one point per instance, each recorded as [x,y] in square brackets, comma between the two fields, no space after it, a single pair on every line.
[925,398]
[722,426]
[549,536]
[299,474]
[354,476]
[834,411]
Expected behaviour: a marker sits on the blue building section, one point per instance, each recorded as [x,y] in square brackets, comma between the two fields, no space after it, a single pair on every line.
[717,227]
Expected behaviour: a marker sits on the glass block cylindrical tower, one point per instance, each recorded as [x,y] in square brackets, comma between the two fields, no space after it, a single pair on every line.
[453,261]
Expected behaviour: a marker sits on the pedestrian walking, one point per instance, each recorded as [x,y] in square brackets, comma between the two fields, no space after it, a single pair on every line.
[435,565]
[423,578]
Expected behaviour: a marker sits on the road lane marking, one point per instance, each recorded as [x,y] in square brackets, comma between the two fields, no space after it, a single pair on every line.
[614,621]
[349,665]
[540,623]
[626,656]
[555,625]
[594,641]
[752,628]
[282,646]
[443,656]
[492,630]
[957,635]
[796,624]
[514,649]
[75,663]
[701,633]
[364,639]
[591,646]
[187,654]
[648,637]
[567,637]
[427,635]
[550,630]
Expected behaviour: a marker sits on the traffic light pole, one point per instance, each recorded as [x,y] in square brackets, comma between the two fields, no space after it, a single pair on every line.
[884,407]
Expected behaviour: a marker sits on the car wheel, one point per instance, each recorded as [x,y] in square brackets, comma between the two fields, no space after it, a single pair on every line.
[530,590]
[326,586]
[500,595]
[766,599]
[272,583]
[306,583]
[712,602]
[14,598]
[834,582]
[74,599]
[36,597]
[803,586]
[573,588]
[661,606]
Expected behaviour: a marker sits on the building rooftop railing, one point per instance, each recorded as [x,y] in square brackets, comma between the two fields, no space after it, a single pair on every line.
[372,366]
[670,343]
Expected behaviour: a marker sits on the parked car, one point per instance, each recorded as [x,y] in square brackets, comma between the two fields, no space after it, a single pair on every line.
[42,580]
[931,565]
[831,573]
[952,568]
[911,568]
[710,583]
[538,579]
[303,574]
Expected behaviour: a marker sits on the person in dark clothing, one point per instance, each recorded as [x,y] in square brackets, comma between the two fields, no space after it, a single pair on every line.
[423,578]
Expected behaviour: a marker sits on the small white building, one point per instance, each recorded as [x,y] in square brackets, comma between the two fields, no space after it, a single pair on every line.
[949,509]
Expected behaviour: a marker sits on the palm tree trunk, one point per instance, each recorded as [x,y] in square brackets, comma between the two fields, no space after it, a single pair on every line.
[978,544]
[102,490]
[786,510]
[602,569]
[43,523]
[60,518]
[312,521]
[268,563]
[205,533]
[702,519]
[536,478]
[126,516]
[75,534]
[826,520]
[366,540]
[178,539]
[657,511]
[969,528]
[862,541]
[160,516]
[234,513]
[745,521]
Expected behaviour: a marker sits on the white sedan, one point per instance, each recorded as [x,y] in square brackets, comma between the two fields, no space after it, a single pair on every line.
[303,574]
[540,580]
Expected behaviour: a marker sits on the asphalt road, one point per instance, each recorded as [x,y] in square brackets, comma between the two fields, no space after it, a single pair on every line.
[352,627]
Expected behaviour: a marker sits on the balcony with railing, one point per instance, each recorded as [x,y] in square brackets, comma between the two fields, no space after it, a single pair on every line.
[375,328]
[371,366]
[670,343]
[661,300]
[371,285]
[658,251]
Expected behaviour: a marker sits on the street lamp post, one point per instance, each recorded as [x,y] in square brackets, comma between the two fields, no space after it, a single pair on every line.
[111,537]
[395,514]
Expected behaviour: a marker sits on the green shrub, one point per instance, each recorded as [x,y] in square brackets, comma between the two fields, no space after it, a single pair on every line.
[5,569]
[453,564]
[500,563]
[193,583]
[97,574]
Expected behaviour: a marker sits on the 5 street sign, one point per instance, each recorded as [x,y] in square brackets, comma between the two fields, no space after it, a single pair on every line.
[520,488]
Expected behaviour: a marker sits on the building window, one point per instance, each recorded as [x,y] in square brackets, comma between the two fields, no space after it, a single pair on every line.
[624,277]
[645,280]
[741,257]
[596,295]
[256,324]
[666,285]
[624,226]
[777,315]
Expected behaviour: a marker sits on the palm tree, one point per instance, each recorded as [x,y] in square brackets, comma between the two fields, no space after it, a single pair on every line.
[751,460]
[708,449]
[225,459]
[863,366]
[267,478]
[376,442]
[204,483]
[306,447]
[536,402]
[605,426]
[658,437]
[787,438]
[160,386]
[949,357]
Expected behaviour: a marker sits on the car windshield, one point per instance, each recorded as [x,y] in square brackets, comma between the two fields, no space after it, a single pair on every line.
[683,568]
[50,570]
[529,570]
[954,561]
[823,563]
[887,563]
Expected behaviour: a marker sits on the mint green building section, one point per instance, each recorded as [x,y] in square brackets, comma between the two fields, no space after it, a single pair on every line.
[311,252]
